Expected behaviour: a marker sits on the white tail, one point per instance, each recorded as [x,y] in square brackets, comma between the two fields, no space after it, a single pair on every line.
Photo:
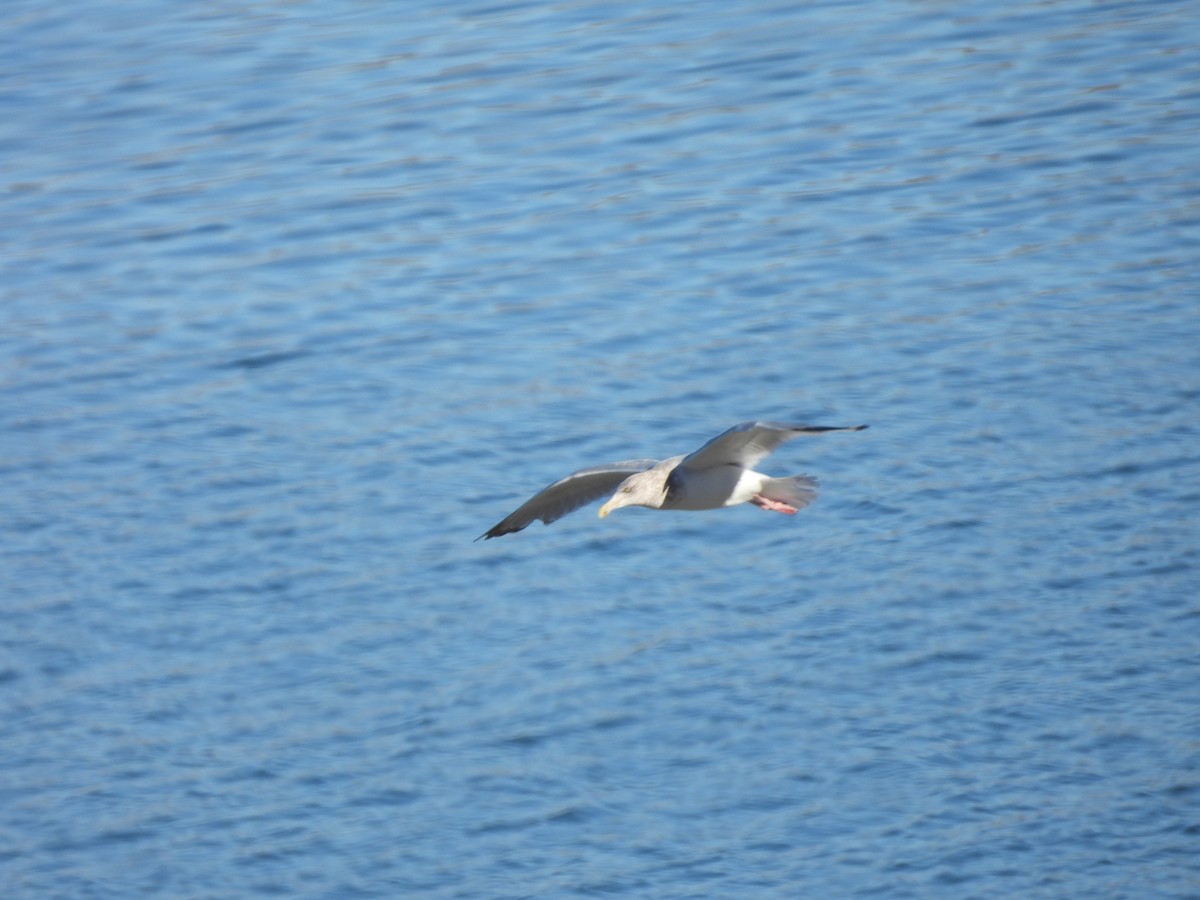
[797,490]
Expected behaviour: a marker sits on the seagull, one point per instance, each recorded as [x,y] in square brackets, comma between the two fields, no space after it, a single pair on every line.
[721,473]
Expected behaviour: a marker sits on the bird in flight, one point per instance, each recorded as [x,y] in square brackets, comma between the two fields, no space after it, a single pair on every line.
[721,473]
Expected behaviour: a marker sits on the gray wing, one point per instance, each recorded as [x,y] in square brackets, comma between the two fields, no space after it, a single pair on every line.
[744,445]
[568,494]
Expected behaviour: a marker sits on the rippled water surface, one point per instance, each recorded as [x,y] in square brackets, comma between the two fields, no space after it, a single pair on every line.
[298,299]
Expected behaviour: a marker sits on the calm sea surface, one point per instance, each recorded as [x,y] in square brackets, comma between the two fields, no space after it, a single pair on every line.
[298,299]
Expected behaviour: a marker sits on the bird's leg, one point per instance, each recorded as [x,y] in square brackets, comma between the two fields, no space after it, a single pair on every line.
[773,505]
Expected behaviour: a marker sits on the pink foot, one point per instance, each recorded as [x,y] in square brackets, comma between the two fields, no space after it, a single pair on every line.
[773,505]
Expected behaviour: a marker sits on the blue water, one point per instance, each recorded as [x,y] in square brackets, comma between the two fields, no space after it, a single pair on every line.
[299,299]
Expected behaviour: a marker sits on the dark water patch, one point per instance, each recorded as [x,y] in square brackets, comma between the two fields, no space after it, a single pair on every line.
[264,360]
[386,798]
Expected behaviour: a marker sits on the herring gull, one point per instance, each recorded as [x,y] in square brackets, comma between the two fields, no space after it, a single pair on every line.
[719,474]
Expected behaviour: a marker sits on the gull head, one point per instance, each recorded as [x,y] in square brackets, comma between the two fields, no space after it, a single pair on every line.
[641,489]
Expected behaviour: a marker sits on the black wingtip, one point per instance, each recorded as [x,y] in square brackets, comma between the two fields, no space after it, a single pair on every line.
[496,531]
[823,429]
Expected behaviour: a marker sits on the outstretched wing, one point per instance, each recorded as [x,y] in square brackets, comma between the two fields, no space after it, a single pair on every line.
[568,494]
[744,445]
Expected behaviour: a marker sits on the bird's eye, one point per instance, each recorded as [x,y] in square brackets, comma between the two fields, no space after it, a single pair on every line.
[627,490]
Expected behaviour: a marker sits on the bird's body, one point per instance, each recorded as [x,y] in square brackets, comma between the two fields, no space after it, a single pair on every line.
[708,489]
[718,474]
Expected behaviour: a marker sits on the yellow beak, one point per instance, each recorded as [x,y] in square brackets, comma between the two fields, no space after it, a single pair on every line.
[604,510]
